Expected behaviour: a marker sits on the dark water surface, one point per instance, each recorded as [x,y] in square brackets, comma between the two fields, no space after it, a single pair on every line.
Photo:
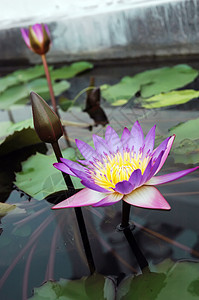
[38,244]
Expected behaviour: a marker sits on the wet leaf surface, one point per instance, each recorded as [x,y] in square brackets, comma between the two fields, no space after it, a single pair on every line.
[173,281]
[169,99]
[149,83]
[14,136]
[70,71]
[95,287]
[39,178]
[20,92]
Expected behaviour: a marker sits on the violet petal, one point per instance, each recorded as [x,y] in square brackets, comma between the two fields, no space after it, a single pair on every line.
[149,142]
[25,35]
[166,153]
[91,185]
[137,137]
[62,167]
[112,139]
[124,187]
[169,177]
[135,178]
[86,150]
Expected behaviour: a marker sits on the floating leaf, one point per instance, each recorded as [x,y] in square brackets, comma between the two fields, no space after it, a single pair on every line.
[175,281]
[70,71]
[186,130]
[186,146]
[93,287]
[166,79]
[187,152]
[20,92]
[124,90]
[30,73]
[171,98]
[5,208]
[21,76]
[39,178]
[150,83]
[14,136]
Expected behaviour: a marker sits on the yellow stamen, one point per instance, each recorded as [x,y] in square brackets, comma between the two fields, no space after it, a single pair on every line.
[117,167]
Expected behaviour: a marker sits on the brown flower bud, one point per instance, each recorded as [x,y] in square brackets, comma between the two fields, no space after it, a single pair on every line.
[46,122]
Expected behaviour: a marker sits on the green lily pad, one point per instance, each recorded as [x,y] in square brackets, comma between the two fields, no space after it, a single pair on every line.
[20,92]
[166,79]
[124,90]
[173,281]
[186,130]
[30,73]
[186,146]
[171,98]
[95,287]
[21,76]
[70,71]
[14,136]
[149,83]
[39,178]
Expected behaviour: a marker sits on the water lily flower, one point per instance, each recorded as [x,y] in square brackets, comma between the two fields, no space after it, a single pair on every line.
[37,38]
[121,169]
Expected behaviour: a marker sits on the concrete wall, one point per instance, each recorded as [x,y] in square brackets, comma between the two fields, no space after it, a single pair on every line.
[103,29]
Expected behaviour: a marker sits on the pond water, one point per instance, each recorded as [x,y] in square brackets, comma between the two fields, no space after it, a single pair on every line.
[38,244]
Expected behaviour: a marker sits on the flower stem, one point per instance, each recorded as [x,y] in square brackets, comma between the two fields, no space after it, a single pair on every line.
[78,212]
[52,96]
[125,214]
[135,248]
[10,115]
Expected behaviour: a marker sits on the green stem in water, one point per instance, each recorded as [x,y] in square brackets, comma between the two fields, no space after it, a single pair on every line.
[82,92]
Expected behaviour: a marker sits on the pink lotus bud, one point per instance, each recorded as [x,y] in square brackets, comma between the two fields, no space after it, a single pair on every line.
[37,38]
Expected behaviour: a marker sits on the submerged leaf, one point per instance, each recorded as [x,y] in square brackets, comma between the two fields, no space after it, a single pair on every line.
[171,98]
[149,83]
[39,178]
[23,231]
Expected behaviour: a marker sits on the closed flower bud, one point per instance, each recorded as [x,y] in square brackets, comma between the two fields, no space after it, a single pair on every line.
[37,38]
[46,122]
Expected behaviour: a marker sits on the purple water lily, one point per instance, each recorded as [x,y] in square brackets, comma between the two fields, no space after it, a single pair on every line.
[121,168]
[37,38]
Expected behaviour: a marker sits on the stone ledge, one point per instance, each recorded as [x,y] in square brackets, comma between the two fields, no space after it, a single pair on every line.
[130,31]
